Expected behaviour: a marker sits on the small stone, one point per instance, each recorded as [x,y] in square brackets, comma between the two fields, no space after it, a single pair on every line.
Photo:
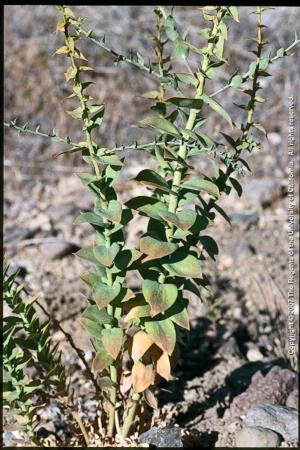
[162,437]
[273,388]
[58,249]
[253,353]
[257,437]
[274,138]
[282,419]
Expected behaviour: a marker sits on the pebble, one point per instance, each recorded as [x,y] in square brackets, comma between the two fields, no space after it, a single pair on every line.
[282,419]
[253,352]
[162,437]
[274,138]
[257,437]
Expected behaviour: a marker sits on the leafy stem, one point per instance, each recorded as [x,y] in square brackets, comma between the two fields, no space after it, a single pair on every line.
[182,152]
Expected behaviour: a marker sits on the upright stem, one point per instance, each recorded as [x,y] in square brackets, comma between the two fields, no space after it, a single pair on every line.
[251,104]
[255,75]
[83,103]
[130,414]
[113,401]
[182,152]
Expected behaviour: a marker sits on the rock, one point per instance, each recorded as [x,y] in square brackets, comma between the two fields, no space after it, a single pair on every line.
[261,192]
[162,437]
[245,220]
[274,138]
[274,388]
[282,419]
[253,352]
[55,249]
[293,399]
[257,437]
[8,439]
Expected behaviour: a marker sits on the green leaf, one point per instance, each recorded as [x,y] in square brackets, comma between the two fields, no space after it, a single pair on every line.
[280,53]
[152,95]
[90,278]
[184,219]
[126,258]
[112,160]
[236,81]
[195,184]
[76,113]
[136,312]
[91,326]
[181,49]
[94,314]
[182,265]
[161,124]
[90,218]
[102,359]
[210,245]
[153,179]
[188,79]
[112,339]
[217,107]
[223,29]
[106,255]
[236,185]
[263,63]
[234,12]
[170,27]
[97,118]
[222,212]
[186,197]
[113,212]
[71,72]
[178,313]
[104,294]
[86,177]
[147,206]
[259,127]
[163,333]
[155,248]
[184,102]
[230,140]
[88,254]
[159,296]
[219,48]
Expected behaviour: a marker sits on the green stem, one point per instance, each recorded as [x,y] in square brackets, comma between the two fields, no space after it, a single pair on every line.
[112,368]
[130,414]
[251,104]
[100,42]
[182,152]
[113,401]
